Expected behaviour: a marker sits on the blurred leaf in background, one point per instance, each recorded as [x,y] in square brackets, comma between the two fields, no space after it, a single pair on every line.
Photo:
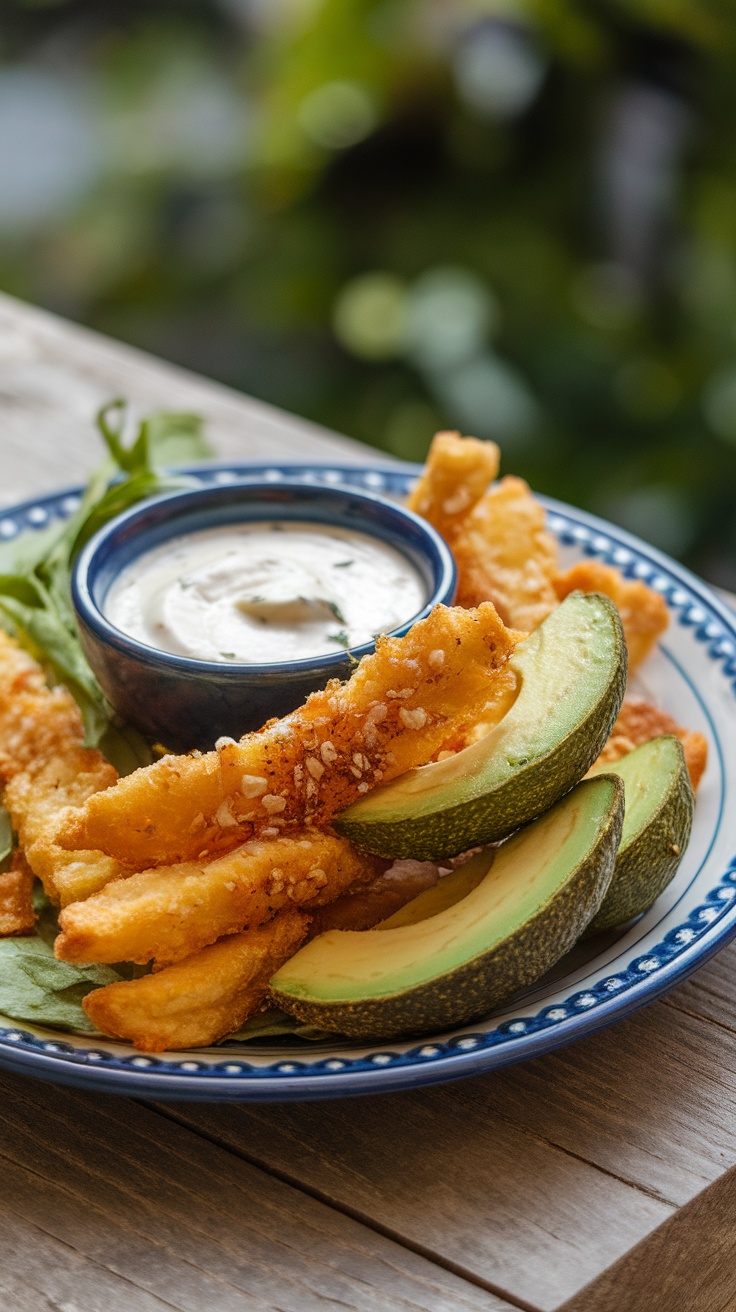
[517,217]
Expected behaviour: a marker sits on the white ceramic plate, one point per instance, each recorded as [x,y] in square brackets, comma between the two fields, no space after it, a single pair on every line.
[692,675]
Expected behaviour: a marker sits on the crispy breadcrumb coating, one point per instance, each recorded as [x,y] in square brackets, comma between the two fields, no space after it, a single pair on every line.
[400,705]
[200,1000]
[46,768]
[16,898]
[170,912]
[456,474]
[504,554]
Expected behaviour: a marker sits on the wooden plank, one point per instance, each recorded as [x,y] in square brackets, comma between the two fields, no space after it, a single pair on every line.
[444,1173]
[139,1201]
[39,1274]
[54,376]
[689,1263]
[652,1100]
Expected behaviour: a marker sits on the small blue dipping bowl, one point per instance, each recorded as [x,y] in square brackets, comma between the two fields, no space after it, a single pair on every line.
[186,703]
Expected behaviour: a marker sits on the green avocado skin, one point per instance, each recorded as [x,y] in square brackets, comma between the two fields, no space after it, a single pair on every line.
[489,979]
[646,865]
[520,798]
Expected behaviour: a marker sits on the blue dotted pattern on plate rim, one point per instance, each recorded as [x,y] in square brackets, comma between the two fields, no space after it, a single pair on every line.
[706,929]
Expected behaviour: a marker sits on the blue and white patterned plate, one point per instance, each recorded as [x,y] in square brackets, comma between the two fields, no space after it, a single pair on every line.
[692,675]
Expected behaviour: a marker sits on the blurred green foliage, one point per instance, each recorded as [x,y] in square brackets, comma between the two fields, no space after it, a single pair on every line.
[518,219]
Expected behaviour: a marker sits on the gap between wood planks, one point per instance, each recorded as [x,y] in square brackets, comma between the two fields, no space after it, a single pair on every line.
[142,1196]
[370,1222]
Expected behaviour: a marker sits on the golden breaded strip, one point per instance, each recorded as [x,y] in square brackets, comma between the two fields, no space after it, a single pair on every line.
[204,998]
[37,802]
[455,476]
[644,613]
[16,898]
[395,711]
[42,725]
[47,768]
[171,912]
[366,907]
[504,554]
[639,722]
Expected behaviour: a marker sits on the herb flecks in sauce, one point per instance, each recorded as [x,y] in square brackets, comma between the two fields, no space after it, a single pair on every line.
[263,593]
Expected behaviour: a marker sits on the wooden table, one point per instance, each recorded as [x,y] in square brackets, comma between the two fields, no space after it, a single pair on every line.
[599,1178]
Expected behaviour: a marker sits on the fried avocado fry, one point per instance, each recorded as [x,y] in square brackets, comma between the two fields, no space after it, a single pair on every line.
[36,722]
[46,768]
[171,912]
[402,702]
[457,472]
[643,612]
[202,999]
[16,898]
[504,554]
[37,801]
[639,722]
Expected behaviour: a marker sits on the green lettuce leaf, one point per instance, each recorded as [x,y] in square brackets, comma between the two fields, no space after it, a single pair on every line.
[35,987]
[35,569]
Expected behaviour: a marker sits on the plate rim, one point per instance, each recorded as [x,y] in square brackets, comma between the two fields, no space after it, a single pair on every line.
[51,1059]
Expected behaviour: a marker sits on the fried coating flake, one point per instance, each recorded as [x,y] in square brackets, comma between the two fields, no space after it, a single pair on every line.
[504,554]
[171,912]
[644,613]
[16,898]
[402,702]
[639,722]
[456,474]
[202,999]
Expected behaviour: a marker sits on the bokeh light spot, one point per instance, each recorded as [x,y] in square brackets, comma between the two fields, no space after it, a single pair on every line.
[498,69]
[337,115]
[369,317]
[487,397]
[451,313]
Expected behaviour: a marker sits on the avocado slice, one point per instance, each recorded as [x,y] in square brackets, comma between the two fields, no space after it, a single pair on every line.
[658,817]
[571,677]
[543,888]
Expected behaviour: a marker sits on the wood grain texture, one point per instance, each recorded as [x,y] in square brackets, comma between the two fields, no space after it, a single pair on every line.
[688,1264]
[440,1169]
[711,992]
[54,376]
[187,1225]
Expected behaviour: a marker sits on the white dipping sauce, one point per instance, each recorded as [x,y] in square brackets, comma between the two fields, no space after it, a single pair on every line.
[265,592]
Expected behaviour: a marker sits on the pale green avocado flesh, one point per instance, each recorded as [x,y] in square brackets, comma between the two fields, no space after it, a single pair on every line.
[658,816]
[571,676]
[544,886]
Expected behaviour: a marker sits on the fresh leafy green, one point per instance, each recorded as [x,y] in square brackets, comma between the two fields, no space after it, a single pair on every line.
[35,987]
[35,570]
